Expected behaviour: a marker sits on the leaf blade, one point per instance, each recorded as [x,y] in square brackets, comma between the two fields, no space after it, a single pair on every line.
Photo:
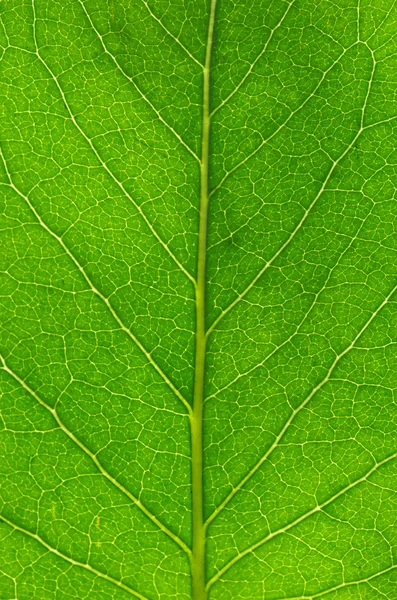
[281,353]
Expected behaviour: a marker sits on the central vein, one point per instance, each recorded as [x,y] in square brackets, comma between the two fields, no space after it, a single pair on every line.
[198,554]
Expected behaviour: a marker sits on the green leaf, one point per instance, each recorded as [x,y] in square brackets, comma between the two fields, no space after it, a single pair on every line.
[198,292]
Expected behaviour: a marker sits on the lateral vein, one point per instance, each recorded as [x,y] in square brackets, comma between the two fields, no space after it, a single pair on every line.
[300,408]
[131,80]
[102,162]
[300,519]
[304,317]
[343,585]
[94,458]
[285,123]
[305,215]
[177,40]
[252,66]
[95,290]
[70,560]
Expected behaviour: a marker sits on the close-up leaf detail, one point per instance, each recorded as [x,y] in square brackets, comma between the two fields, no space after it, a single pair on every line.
[198,287]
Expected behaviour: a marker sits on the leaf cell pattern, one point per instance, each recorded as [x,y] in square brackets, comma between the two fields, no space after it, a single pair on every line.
[198,294]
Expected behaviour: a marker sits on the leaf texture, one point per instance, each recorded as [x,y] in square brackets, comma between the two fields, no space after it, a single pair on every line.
[198,293]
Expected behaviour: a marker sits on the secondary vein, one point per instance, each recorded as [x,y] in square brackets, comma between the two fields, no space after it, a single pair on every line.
[95,290]
[299,408]
[93,457]
[138,89]
[99,158]
[259,56]
[168,32]
[308,210]
[70,560]
[300,519]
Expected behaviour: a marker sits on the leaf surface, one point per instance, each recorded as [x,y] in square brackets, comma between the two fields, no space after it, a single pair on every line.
[198,293]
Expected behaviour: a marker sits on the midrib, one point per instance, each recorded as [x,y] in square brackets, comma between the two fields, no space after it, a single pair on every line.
[198,554]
